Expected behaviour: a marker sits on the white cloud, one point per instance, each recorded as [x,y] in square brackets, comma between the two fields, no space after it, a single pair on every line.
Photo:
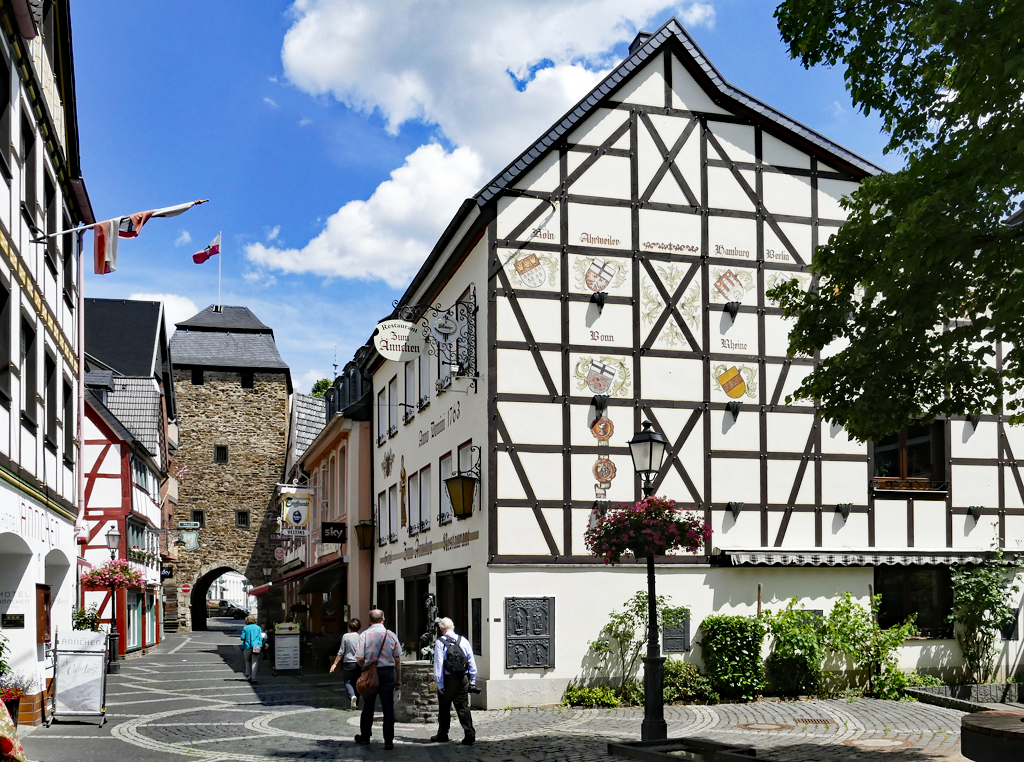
[270,102]
[450,64]
[387,236]
[305,121]
[838,112]
[176,307]
[310,377]
[273,232]
[183,237]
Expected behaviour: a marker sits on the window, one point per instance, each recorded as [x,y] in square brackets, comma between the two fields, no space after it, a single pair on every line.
[423,364]
[5,344]
[28,166]
[340,504]
[382,419]
[200,518]
[50,222]
[914,454]
[446,514]
[220,453]
[133,627]
[921,590]
[5,117]
[49,32]
[247,379]
[29,373]
[393,513]
[197,376]
[242,519]
[393,407]
[410,391]
[52,401]
[69,264]
[136,532]
[382,518]
[69,423]
[414,504]
[453,598]
[425,499]
[142,476]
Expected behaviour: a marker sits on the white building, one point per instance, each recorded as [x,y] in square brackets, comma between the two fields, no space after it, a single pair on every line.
[41,191]
[615,273]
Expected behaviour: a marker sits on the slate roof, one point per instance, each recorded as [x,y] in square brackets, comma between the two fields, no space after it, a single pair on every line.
[226,350]
[309,421]
[136,404]
[123,334]
[640,51]
[226,318]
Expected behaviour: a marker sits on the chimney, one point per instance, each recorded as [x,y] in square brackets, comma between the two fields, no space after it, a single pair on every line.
[638,41]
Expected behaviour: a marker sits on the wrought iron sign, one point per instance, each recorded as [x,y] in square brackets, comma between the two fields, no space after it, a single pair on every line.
[529,633]
[677,638]
[449,335]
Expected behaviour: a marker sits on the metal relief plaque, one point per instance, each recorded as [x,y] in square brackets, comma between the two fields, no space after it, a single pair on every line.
[529,633]
[678,638]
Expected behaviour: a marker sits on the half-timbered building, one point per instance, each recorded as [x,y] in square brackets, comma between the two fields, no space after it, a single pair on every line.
[615,273]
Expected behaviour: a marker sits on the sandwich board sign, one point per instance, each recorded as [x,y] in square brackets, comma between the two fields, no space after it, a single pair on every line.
[80,675]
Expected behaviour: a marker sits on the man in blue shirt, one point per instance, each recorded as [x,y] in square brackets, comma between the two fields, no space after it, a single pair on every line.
[454,676]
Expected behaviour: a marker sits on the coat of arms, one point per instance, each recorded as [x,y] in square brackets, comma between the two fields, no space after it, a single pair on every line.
[602,375]
[530,270]
[735,381]
[599,274]
[730,287]
[604,470]
[388,463]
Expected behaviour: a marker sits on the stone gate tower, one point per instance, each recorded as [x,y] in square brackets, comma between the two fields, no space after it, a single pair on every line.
[232,389]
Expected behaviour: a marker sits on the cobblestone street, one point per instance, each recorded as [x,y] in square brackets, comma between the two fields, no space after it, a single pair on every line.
[188,699]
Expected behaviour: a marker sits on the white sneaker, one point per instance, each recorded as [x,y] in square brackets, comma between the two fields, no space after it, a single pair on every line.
[352,702]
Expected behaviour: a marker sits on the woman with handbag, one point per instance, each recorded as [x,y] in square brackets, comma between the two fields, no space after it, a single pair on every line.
[252,645]
[380,656]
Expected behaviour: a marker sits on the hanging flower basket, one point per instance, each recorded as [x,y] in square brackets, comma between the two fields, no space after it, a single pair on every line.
[119,574]
[653,526]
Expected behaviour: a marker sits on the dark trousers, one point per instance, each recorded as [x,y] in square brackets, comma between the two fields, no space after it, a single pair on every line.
[350,672]
[386,692]
[456,692]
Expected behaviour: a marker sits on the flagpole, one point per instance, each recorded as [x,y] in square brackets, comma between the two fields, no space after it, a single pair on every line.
[220,261]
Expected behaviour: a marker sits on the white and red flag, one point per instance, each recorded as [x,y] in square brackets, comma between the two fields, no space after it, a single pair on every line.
[106,233]
[213,248]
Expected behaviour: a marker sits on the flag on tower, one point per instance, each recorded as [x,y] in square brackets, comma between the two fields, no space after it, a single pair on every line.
[213,248]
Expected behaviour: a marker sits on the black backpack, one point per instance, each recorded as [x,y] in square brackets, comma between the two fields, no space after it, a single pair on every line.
[455,662]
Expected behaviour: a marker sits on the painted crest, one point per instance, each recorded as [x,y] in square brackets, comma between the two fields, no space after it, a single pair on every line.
[600,377]
[602,429]
[388,463]
[599,274]
[732,382]
[604,470]
[530,271]
[730,287]
[191,540]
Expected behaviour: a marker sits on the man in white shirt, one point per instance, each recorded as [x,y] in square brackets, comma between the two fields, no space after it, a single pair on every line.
[454,675]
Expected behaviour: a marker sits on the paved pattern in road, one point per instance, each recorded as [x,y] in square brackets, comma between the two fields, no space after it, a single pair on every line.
[188,699]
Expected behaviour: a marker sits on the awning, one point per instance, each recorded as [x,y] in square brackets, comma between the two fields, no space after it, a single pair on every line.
[297,575]
[848,557]
[324,581]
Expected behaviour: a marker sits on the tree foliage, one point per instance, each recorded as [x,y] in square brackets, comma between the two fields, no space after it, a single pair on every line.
[319,387]
[795,662]
[981,608]
[622,641]
[916,289]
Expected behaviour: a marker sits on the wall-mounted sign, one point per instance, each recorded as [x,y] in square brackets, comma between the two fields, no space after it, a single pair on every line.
[191,540]
[333,532]
[444,327]
[166,572]
[529,630]
[189,525]
[295,508]
[277,537]
[279,554]
[398,340]
[12,621]
[186,588]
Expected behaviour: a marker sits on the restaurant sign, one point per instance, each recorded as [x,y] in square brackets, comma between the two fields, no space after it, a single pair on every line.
[398,340]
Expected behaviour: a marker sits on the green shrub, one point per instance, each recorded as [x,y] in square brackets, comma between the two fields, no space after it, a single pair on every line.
[731,646]
[916,680]
[684,683]
[86,618]
[633,693]
[794,664]
[591,696]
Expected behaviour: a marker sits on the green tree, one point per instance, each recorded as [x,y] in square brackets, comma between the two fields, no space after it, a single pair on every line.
[917,287]
[981,608]
[623,640]
[319,387]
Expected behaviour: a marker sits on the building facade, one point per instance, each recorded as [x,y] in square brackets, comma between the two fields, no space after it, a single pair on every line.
[41,191]
[232,390]
[617,272]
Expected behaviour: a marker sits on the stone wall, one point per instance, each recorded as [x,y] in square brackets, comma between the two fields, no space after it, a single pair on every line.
[253,423]
[419,693]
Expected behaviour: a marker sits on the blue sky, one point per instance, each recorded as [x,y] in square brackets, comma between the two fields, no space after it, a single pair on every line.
[335,139]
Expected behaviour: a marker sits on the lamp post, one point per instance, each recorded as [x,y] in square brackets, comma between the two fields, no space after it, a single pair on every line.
[648,449]
[113,664]
[267,571]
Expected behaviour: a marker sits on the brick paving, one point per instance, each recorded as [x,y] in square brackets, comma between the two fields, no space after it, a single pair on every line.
[188,699]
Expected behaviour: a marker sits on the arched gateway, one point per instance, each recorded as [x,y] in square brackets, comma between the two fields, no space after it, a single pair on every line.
[232,391]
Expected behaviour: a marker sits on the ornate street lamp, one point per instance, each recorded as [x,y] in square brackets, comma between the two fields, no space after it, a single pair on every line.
[461,487]
[267,571]
[113,664]
[364,535]
[648,450]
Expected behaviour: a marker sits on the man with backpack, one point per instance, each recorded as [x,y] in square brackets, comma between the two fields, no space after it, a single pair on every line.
[455,674]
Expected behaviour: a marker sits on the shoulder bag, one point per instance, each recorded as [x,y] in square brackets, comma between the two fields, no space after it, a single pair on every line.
[368,681]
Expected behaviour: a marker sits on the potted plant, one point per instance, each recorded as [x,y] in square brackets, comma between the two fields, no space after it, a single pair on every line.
[14,685]
[652,526]
[119,574]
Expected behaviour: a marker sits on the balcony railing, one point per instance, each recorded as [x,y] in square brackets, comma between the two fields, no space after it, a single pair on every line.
[919,486]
